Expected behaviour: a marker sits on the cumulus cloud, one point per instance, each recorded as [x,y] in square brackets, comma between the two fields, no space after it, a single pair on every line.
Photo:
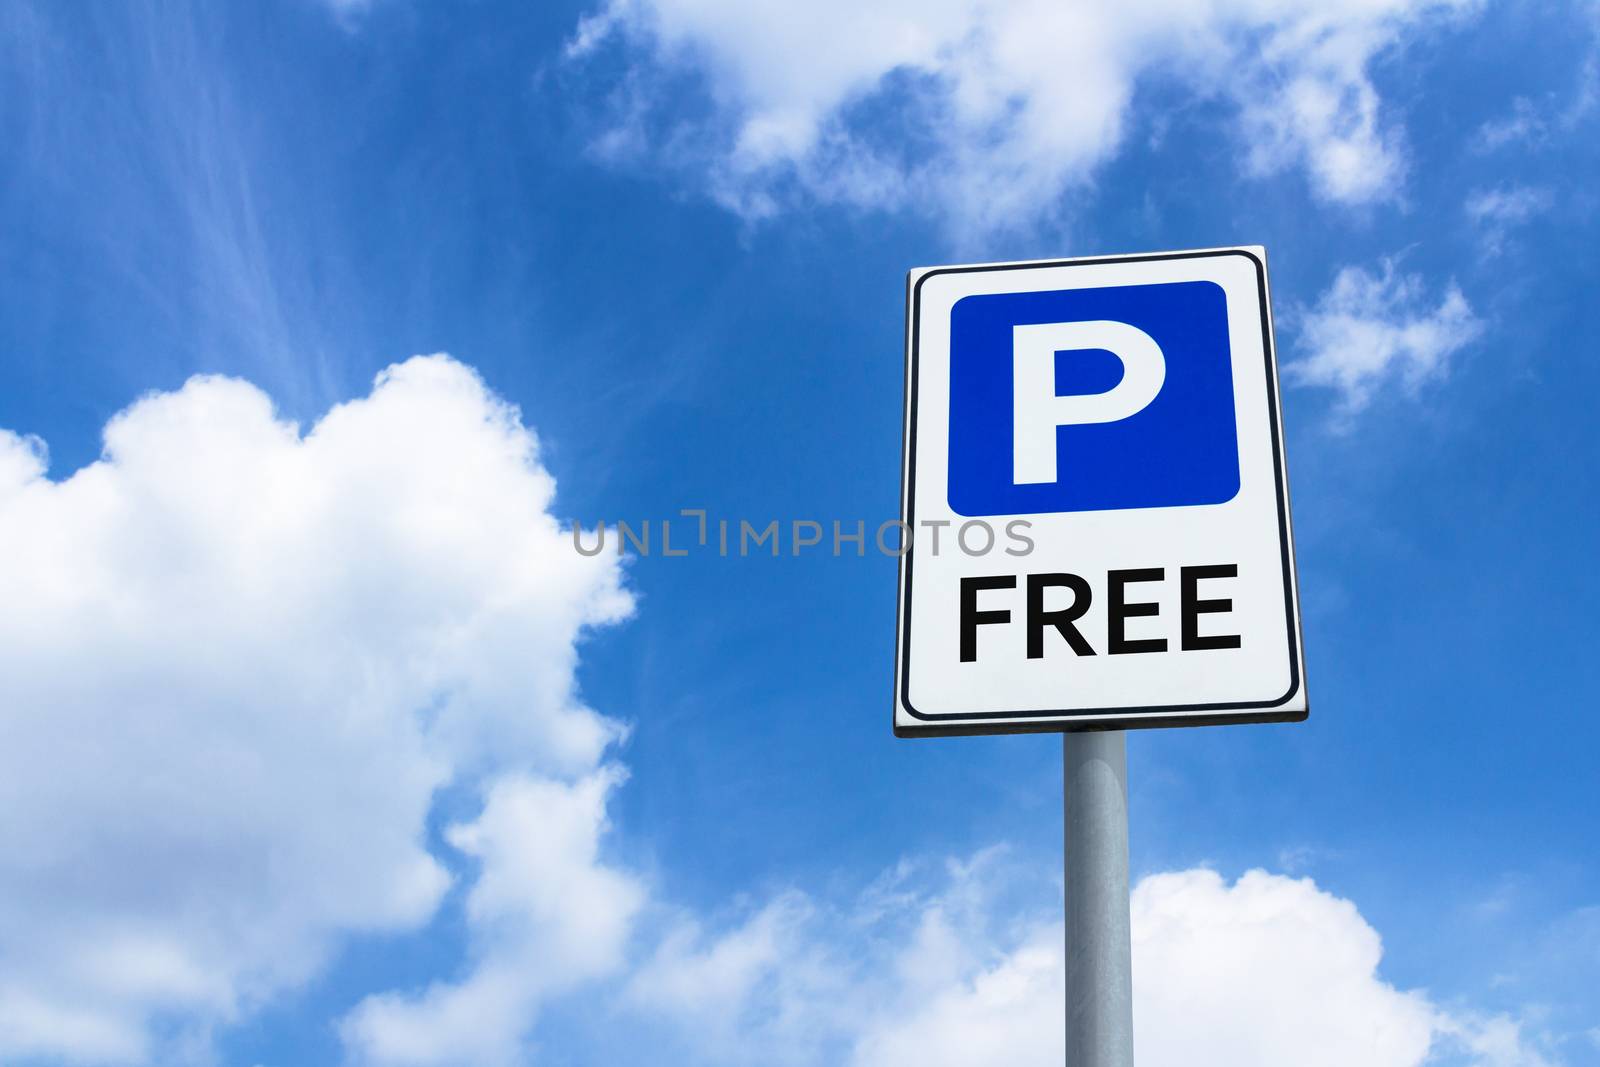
[1267,970]
[985,114]
[545,915]
[1372,331]
[239,664]
[1261,972]
[238,661]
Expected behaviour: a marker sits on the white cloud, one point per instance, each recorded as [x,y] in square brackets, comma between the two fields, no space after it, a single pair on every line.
[1374,331]
[1525,123]
[1515,203]
[545,915]
[1263,972]
[1268,970]
[764,991]
[804,981]
[1009,1012]
[1557,115]
[988,113]
[1496,211]
[236,664]
[1489,1041]
[239,662]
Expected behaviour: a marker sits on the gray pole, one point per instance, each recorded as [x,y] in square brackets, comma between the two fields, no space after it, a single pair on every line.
[1099,965]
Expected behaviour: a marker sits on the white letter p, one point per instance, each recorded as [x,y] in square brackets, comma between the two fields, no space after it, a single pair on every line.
[1036,409]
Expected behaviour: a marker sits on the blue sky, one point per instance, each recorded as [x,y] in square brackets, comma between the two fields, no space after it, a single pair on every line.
[324,747]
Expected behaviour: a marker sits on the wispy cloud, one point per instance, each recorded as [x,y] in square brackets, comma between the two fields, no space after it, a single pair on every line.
[1536,123]
[1497,211]
[173,182]
[1374,331]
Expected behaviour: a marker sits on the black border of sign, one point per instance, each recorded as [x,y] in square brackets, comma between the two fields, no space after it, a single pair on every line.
[1073,720]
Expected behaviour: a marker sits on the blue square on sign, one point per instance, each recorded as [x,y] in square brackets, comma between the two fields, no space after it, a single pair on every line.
[1092,400]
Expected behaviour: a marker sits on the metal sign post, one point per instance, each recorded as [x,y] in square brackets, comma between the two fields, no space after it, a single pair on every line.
[1100,443]
[1098,939]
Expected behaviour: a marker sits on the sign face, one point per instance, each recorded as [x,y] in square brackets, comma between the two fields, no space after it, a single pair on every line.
[1095,498]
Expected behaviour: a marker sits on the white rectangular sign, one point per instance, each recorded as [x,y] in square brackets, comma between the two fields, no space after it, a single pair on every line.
[1096,500]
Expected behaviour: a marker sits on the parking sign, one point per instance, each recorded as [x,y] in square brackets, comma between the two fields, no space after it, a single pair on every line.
[1095,498]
